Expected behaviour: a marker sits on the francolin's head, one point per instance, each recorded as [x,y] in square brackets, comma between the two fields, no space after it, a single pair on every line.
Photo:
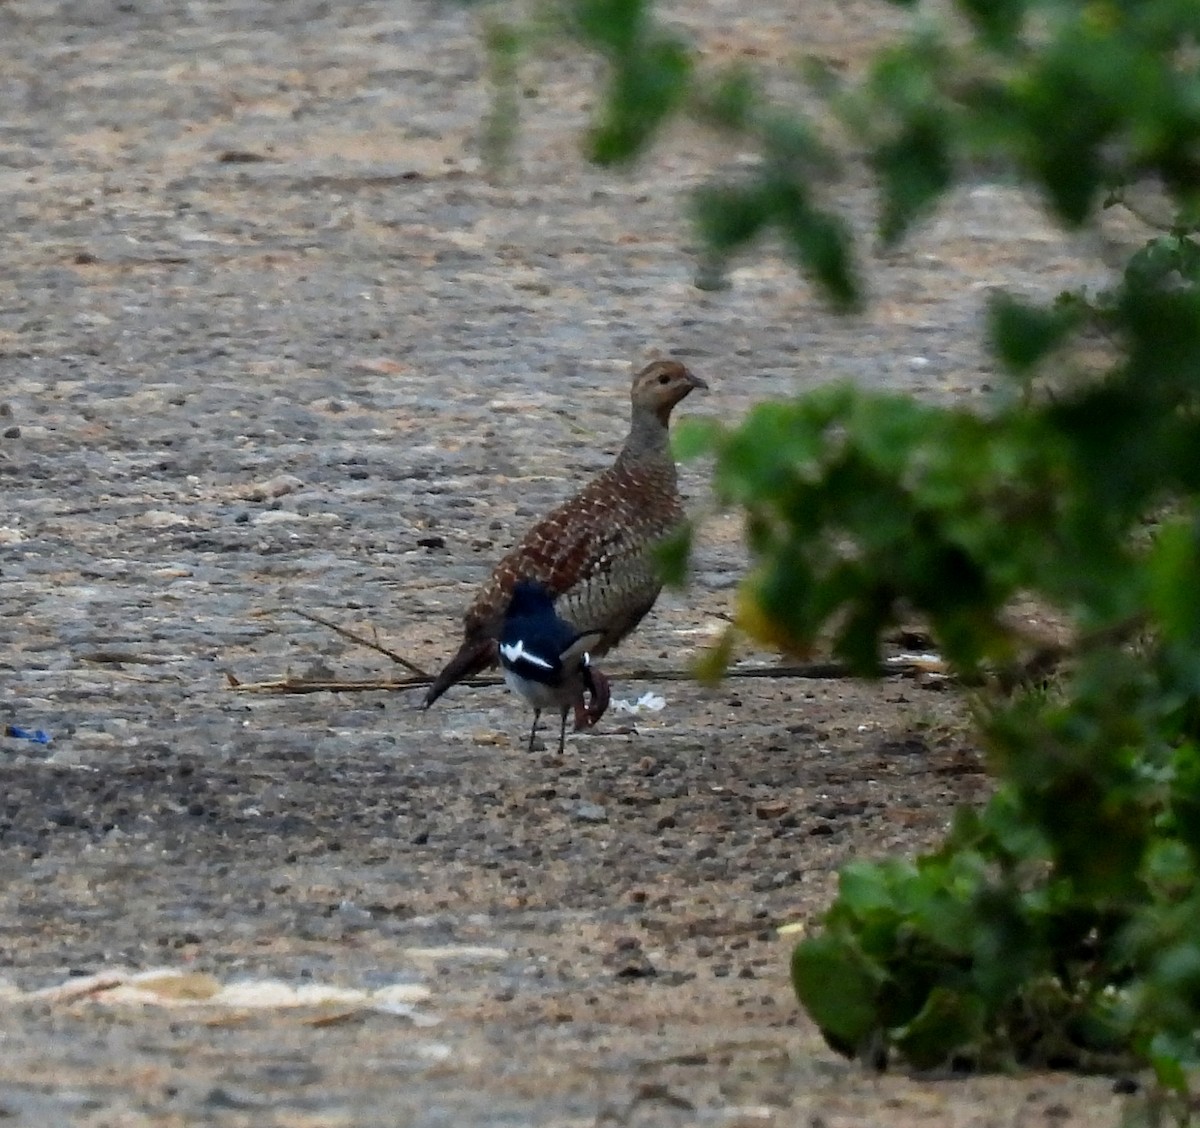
[661,385]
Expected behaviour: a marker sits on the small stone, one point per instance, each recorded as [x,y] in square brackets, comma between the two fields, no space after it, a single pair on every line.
[590,813]
[160,519]
[354,917]
[12,432]
[637,967]
[278,486]
[771,809]
[489,738]
[220,1097]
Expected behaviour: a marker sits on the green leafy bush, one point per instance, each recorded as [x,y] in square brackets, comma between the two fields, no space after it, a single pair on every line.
[1060,924]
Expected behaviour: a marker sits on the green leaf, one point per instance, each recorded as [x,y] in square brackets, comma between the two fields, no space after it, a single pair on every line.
[1005,950]
[712,663]
[503,44]
[791,146]
[887,430]
[1066,116]
[1023,335]
[673,554]
[1171,865]
[950,1023]
[998,21]
[865,888]
[730,102]
[1169,1055]
[915,169]
[1010,832]
[727,216]
[858,641]
[1187,252]
[1163,260]
[1173,568]
[839,988]
[759,459]
[648,85]
[691,438]
[821,242]
[612,25]
[1185,802]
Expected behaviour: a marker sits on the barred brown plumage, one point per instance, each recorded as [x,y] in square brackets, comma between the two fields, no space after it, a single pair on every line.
[595,552]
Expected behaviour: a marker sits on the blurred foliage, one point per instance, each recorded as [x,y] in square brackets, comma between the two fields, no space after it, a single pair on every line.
[1060,924]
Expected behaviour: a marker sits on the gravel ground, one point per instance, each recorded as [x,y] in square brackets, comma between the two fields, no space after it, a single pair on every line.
[270,340]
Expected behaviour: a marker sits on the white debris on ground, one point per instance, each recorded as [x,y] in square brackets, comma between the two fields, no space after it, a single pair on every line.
[647,703]
[171,987]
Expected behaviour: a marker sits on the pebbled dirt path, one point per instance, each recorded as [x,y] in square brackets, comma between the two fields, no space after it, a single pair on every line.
[269,340]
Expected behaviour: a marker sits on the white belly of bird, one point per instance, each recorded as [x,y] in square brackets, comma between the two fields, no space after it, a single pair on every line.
[538,695]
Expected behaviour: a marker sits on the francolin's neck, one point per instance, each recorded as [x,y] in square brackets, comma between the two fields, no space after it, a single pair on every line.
[649,437]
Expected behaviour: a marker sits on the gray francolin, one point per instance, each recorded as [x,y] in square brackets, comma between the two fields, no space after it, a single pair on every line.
[595,553]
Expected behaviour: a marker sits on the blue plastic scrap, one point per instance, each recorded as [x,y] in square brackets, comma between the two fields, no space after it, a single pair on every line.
[40,736]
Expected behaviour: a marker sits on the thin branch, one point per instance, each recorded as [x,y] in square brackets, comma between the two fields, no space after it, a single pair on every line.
[821,671]
[351,636]
[323,685]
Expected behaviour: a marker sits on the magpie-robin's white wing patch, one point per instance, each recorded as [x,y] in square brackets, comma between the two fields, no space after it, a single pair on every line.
[519,657]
